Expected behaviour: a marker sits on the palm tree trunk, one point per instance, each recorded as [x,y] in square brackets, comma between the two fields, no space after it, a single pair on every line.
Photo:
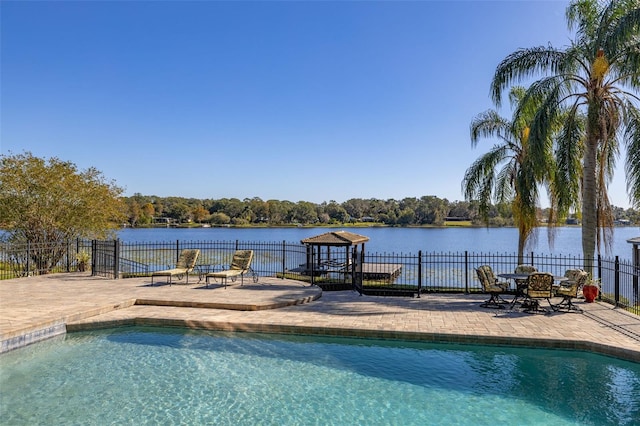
[589,194]
[522,239]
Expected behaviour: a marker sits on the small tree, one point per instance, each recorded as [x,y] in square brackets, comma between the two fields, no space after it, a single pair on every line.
[49,202]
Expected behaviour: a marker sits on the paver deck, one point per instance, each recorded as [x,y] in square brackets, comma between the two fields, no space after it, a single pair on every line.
[39,307]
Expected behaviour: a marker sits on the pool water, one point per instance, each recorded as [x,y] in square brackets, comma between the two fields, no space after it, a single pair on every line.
[171,376]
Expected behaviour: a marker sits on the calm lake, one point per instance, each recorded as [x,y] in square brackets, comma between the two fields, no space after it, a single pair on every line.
[401,240]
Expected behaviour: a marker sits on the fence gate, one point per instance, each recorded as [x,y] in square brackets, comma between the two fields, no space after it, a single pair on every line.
[105,258]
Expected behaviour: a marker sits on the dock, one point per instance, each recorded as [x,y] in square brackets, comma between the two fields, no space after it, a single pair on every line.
[370,271]
[381,271]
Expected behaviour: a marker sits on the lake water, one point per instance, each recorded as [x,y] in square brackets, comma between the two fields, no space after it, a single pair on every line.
[401,240]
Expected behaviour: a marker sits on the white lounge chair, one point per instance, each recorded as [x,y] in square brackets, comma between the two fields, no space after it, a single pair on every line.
[186,263]
[240,265]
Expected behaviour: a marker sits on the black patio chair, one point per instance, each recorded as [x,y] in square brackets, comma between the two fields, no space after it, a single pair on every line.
[539,286]
[569,289]
[491,285]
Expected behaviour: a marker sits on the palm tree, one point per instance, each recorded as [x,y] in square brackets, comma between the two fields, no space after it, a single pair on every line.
[596,78]
[507,174]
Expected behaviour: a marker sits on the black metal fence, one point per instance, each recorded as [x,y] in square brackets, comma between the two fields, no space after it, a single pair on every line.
[377,273]
[141,259]
[28,259]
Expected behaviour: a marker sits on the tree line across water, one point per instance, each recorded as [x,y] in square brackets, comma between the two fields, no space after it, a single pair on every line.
[147,210]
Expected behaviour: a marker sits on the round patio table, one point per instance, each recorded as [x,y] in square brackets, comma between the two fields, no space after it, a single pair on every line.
[520,288]
[558,278]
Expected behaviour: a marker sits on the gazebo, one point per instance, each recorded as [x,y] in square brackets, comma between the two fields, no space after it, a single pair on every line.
[350,262]
[320,262]
[343,239]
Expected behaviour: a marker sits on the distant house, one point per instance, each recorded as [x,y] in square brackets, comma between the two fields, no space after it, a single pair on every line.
[635,251]
[164,221]
[572,221]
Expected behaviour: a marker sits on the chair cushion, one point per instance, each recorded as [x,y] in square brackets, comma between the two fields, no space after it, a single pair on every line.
[495,288]
[567,291]
[168,272]
[224,274]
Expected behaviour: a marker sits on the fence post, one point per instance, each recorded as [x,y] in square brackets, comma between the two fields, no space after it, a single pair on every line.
[93,258]
[419,272]
[177,250]
[599,267]
[28,258]
[466,271]
[312,262]
[116,259]
[635,272]
[532,259]
[68,255]
[616,287]
[284,260]
[78,251]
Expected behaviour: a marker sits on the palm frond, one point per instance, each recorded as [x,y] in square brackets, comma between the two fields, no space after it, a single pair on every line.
[524,64]
[505,180]
[486,125]
[582,15]
[632,163]
[568,170]
[623,26]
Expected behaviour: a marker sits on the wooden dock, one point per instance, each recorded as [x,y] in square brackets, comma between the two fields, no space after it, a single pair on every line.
[381,271]
[370,271]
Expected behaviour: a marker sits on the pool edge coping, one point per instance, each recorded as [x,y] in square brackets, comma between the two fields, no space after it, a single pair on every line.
[430,337]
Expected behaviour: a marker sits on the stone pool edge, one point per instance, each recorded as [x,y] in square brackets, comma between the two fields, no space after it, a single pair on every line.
[28,335]
[510,341]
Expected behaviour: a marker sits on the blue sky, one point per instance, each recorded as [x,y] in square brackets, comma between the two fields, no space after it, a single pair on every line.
[313,101]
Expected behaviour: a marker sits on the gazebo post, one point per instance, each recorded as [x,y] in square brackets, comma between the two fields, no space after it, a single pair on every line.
[352,265]
[309,259]
[312,271]
[346,266]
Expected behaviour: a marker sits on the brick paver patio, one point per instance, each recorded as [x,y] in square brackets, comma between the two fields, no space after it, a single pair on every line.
[38,307]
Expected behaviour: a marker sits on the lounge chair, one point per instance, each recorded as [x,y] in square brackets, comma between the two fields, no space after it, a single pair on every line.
[491,285]
[539,286]
[240,265]
[569,289]
[186,263]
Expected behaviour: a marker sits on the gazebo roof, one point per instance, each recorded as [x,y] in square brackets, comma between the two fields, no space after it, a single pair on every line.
[336,238]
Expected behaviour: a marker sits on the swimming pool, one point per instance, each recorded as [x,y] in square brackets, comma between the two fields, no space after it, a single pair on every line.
[171,376]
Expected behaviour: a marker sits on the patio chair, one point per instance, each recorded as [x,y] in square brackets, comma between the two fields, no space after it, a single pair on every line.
[569,289]
[521,284]
[240,265]
[539,286]
[186,263]
[491,285]
[524,269]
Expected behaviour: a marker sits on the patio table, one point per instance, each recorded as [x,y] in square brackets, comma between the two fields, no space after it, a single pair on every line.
[558,278]
[520,289]
[204,269]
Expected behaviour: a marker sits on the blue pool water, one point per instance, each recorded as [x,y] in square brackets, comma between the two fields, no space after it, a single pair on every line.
[160,376]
